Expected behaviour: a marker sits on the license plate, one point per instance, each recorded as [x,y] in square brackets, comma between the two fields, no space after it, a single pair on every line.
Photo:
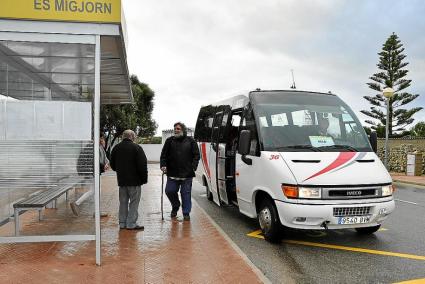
[354,220]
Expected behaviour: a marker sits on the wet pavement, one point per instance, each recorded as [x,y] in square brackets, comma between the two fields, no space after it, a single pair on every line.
[165,252]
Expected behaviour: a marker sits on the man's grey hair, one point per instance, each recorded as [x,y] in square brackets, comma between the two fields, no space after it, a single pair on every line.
[129,134]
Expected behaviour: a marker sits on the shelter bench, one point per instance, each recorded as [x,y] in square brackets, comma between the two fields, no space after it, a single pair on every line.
[39,200]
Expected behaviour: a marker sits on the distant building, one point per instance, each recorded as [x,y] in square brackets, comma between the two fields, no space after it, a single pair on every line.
[170,132]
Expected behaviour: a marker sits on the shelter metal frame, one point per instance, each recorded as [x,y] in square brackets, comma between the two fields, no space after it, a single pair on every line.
[78,33]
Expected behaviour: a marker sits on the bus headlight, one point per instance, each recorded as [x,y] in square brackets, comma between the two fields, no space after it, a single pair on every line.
[309,192]
[388,190]
[302,192]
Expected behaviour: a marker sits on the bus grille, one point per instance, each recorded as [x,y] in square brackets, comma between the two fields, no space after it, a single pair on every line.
[351,211]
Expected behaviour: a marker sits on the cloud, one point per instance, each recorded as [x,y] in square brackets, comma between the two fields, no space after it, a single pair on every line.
[195,52]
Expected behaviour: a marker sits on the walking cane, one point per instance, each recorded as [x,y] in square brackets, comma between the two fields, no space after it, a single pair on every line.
[162,197]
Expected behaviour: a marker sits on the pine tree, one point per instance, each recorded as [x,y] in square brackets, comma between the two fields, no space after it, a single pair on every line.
[392,75]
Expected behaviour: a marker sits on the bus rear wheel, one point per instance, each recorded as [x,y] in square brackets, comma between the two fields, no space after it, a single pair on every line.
[368,230]
[269,221]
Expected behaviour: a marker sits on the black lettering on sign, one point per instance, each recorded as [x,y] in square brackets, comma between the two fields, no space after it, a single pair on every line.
[42,5]
[107,8]
[37,5]
[99,7]
[46,5]
[81,9]
[74,6]
[89,7]
[59,5]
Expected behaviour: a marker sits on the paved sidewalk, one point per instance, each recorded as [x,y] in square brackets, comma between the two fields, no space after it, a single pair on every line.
[400,177]
[166,252]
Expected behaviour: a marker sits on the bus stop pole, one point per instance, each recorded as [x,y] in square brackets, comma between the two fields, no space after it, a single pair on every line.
[96,146]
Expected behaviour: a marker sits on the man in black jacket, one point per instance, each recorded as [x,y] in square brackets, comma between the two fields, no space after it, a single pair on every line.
[179,159]
[129,161]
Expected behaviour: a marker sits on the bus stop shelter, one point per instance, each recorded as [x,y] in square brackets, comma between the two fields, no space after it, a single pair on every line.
[59,61]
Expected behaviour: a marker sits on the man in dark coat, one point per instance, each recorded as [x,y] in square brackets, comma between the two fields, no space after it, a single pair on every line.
[129,161]
[179,159]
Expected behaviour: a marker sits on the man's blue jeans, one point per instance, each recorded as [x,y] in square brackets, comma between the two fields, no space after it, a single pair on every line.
[172,188]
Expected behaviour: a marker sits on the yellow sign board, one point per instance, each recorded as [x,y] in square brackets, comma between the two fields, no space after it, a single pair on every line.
[99,11]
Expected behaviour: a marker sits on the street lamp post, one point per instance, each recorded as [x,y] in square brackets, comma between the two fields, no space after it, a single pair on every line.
[388,93]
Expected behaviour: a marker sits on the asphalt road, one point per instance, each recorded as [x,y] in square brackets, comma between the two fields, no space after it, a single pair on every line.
[393,254]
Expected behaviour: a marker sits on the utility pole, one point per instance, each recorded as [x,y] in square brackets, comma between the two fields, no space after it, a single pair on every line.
[293,80]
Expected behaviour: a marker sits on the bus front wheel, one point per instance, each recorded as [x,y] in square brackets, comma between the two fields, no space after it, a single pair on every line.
[269,221]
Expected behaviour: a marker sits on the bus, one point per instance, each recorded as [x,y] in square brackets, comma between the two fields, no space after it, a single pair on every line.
[293,159]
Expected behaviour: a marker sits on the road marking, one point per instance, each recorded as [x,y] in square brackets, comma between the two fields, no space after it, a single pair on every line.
[415,281]
[404,201]
[362,250]
[258,234]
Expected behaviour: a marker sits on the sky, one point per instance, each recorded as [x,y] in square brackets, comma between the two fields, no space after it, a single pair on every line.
[196,52]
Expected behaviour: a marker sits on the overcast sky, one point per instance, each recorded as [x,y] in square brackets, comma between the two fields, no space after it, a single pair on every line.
[195,52]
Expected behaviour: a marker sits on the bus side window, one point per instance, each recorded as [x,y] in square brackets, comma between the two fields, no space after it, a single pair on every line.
[234,134]
[204,124]
[248,123]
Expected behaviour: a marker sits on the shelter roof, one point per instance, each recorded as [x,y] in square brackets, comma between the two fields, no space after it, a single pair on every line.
[52,47]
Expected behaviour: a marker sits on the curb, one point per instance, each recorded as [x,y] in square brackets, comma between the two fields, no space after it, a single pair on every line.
[409,183]
[254,268]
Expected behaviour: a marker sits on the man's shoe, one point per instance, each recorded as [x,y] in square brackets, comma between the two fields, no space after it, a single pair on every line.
[173,214]
[186,217]
[138,227]
[74,208]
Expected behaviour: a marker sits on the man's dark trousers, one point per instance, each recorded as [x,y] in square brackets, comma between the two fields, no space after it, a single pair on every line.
[129,204]
[172,189]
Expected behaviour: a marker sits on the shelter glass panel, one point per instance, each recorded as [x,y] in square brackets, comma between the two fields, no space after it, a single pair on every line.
[46,138]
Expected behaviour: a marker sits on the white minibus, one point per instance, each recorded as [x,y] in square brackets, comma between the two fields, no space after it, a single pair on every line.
[293,159]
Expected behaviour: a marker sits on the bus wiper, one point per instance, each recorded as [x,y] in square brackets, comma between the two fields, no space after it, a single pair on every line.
[338,146]
[303,147]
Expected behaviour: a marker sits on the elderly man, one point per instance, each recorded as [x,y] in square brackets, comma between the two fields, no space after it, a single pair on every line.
[129,161]
[179,159]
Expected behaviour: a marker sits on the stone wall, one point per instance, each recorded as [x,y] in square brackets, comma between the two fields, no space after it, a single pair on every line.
[398,150]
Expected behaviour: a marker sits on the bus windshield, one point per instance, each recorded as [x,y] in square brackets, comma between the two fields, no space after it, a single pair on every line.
[290,121]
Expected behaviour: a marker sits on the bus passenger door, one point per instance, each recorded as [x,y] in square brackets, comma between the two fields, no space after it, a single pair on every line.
[222,164]
[214,154]
[218,155]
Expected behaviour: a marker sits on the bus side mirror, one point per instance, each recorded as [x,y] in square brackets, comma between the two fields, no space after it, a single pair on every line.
[373,139]
[244,142]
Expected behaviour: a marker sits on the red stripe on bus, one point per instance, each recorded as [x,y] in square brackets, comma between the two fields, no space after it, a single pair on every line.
[342,158]
[205,160]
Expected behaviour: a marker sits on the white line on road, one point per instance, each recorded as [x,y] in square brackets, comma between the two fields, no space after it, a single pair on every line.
[410,202]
